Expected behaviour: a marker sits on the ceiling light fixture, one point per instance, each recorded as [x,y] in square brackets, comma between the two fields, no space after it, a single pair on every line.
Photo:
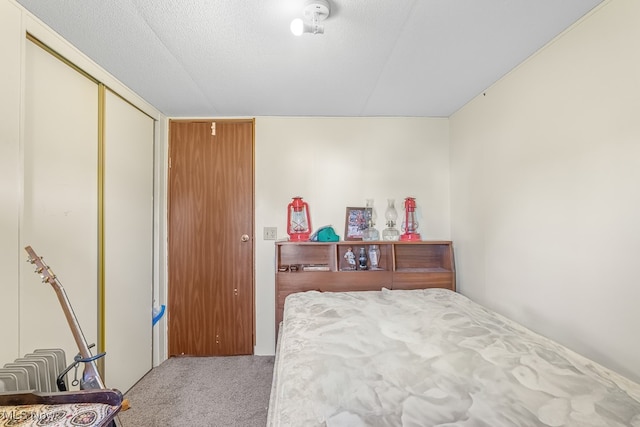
[314,12]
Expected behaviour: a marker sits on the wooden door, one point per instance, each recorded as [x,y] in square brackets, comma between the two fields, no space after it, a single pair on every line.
[211,306]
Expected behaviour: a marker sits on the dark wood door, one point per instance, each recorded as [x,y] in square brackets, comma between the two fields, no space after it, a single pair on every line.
[211,290]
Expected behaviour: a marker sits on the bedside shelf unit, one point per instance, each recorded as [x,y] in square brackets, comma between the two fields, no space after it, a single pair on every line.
[319,266]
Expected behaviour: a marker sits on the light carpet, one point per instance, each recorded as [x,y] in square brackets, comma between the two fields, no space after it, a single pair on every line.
[202,391]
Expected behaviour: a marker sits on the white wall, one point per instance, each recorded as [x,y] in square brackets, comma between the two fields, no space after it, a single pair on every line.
[545,196]
[338,162]
[10,52]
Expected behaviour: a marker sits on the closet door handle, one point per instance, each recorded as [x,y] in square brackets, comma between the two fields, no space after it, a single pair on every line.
[244,238]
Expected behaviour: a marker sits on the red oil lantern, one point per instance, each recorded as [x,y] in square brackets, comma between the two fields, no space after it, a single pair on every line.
[298,221]
[410,224]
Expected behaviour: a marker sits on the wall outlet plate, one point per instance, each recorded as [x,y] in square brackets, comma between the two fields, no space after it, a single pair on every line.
[270,233]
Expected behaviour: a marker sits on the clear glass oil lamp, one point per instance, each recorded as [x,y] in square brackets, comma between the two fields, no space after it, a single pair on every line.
[370,233]
[391,215]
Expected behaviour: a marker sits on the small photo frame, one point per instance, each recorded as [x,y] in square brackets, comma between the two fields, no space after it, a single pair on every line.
[355,223]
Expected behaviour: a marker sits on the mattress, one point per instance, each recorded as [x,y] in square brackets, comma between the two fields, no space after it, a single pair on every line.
[432,357]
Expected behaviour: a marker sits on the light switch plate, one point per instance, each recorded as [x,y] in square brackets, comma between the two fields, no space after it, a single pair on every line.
[270,233]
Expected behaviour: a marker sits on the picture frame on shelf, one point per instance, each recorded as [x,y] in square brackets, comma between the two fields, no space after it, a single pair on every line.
[355,223]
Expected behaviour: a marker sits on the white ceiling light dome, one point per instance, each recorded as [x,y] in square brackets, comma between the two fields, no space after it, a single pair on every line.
[314,12]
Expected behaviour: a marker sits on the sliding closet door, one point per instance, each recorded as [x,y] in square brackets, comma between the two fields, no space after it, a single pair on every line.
[88,209]
[128,242]
[59,200]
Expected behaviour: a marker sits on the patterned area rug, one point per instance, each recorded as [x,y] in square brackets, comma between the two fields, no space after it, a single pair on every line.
[70,415]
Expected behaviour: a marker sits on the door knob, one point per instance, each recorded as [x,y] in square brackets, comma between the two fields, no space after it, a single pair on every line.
[244,238]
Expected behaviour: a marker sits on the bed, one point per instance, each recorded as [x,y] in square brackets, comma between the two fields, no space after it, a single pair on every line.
[432,357]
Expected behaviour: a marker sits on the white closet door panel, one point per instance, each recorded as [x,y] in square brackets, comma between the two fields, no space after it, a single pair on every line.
[10,42]
[128,222]
[59,215]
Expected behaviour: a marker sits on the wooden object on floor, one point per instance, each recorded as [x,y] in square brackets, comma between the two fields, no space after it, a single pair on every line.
[402,265]
[107,396]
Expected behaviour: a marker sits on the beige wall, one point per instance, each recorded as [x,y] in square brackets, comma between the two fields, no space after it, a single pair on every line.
[338,162]
[545,195]
[10,38]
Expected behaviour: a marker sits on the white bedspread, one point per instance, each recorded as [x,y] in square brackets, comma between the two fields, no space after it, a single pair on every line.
[432,358]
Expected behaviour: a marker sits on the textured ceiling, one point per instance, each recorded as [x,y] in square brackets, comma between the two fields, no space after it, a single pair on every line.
[377,57]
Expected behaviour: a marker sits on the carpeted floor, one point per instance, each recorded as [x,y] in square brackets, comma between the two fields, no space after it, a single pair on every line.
[202,391]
